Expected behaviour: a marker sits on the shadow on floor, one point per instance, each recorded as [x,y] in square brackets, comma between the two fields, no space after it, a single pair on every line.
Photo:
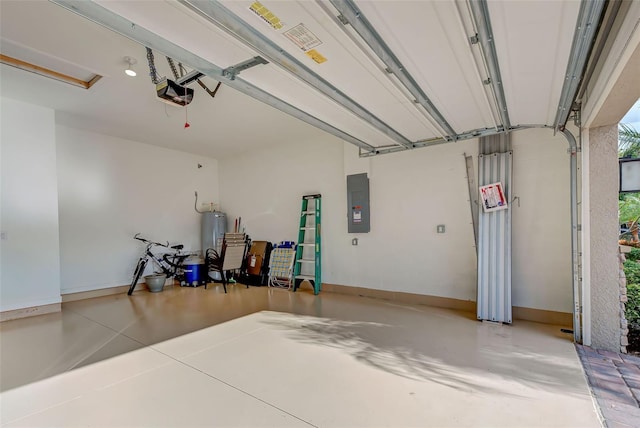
[445,347]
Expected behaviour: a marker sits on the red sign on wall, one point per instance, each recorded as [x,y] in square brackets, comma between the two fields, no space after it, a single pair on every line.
[493,197]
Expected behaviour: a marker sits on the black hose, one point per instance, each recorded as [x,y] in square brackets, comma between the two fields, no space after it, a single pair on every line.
[195,205]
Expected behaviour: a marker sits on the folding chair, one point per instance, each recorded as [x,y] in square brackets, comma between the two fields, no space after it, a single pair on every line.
[281,267]
[234,248]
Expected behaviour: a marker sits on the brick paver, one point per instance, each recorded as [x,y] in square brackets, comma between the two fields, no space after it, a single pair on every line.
[615,383]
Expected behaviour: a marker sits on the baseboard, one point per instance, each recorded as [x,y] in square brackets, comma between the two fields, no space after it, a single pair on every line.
[30,312]
[402,297]
[519,313]
[82,295]
[543,316]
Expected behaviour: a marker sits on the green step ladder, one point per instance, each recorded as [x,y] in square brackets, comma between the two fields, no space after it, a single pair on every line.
[308,251]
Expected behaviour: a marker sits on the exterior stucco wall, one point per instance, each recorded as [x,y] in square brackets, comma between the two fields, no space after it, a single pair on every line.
[603,211]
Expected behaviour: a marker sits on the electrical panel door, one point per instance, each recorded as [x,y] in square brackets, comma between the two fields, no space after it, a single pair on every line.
[358,203]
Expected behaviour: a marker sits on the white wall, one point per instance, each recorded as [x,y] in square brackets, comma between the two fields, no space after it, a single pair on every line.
[541,234]
[411,193]
[110,189]
[265,189]
[29,252]
[409,197]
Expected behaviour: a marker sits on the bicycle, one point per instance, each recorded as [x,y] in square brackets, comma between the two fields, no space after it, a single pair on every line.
[169,264]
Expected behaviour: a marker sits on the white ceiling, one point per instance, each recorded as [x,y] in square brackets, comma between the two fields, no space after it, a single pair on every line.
[430,38]
[126,107]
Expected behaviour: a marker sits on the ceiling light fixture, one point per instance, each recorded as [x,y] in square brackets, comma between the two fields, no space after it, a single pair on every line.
[130,62]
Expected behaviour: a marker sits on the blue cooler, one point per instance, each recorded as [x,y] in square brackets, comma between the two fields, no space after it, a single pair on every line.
[194,272]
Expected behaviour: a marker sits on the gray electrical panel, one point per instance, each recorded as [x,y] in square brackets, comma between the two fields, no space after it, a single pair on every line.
[358,203]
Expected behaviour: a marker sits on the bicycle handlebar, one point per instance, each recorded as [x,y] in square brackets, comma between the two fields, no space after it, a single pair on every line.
[146,241]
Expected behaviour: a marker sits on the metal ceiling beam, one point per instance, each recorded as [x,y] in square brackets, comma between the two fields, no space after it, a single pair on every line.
[476,133]
[234,70]
[480,14]
[354,16]
[609,16]
[583,38]
[189,77]
[131,30]
[223,18]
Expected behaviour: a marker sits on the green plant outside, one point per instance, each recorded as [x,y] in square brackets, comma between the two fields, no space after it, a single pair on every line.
[629,208]
[634,255]
[632,273]
[631,269]
[628,203]
[628,141]
[632,308]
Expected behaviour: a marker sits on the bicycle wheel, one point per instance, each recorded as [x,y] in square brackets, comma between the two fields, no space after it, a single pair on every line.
[142,263]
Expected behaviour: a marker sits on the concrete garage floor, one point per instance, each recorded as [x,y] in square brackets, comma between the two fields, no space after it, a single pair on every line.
[270,357]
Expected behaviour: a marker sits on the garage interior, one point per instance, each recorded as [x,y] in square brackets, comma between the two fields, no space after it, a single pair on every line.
[412,94]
